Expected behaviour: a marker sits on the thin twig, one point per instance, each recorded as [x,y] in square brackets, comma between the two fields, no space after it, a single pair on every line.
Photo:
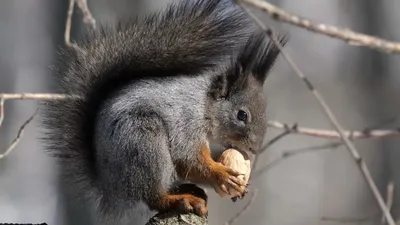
[324,106]
[389,198]
[288,130]
[349,36]
[67,33]
[15,142]
[244,209]
[87,15]
[293,152]
[1,110]
[263,149]
[88,18]
[24,96]
[34,96]
[362,134]
[349,220]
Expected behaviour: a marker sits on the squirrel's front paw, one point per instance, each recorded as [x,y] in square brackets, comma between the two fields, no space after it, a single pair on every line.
[228,180]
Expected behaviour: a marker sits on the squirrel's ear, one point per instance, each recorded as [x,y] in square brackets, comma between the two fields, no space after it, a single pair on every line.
[255,59]
[229,82]
[259,55]
[218,89]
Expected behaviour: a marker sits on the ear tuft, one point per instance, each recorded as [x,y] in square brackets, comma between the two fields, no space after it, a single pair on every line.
[258,55]
[255,59]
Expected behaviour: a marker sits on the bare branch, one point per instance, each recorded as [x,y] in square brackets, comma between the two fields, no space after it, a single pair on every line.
[264,148]
[24,96]
[1,110]
[326,109]
[287,131]
[389,198]
[15,142]
[87,18]
[288,153]
[34,96]
[67,33]
[349,36]
[293,152]
[245,208]
[362,134]
[349,220]
[307,131]
[87,15]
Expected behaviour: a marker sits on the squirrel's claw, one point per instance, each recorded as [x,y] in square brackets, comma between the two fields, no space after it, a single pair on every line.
[236,184]
[246,190]
[228,180]
[192,204]
[224,189]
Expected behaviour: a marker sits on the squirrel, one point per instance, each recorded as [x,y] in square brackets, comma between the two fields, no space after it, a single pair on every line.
[153,94]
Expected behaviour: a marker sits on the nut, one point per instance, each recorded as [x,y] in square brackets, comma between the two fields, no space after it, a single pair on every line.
[237,160]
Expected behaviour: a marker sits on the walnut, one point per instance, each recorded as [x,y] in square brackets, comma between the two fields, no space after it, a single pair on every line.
[239,161]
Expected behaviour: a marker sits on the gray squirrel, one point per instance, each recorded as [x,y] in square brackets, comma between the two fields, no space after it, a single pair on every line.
[154,93]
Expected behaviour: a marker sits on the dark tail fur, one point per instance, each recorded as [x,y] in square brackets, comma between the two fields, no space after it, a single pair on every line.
[187,38]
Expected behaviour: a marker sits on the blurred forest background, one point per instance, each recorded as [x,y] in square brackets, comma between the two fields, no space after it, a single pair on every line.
[322,187]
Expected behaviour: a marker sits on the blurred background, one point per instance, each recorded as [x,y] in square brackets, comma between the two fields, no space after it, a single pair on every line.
[322,186]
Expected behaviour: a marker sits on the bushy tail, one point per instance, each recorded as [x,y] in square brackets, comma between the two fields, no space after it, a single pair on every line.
[187,38]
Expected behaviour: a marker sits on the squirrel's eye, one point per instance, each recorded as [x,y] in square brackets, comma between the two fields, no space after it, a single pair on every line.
[242,116]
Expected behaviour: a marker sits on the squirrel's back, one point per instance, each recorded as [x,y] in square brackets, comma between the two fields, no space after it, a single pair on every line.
[186,38]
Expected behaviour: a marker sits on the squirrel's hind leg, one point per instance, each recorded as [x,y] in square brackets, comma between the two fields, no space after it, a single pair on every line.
[180,202]
[189,188]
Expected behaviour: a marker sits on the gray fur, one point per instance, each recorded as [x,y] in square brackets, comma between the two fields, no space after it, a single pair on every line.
[151,92]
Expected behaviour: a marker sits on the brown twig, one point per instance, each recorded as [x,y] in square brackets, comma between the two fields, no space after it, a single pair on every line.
[244,209]
[332,118]
[362,134]
[15,142]
[349,36]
